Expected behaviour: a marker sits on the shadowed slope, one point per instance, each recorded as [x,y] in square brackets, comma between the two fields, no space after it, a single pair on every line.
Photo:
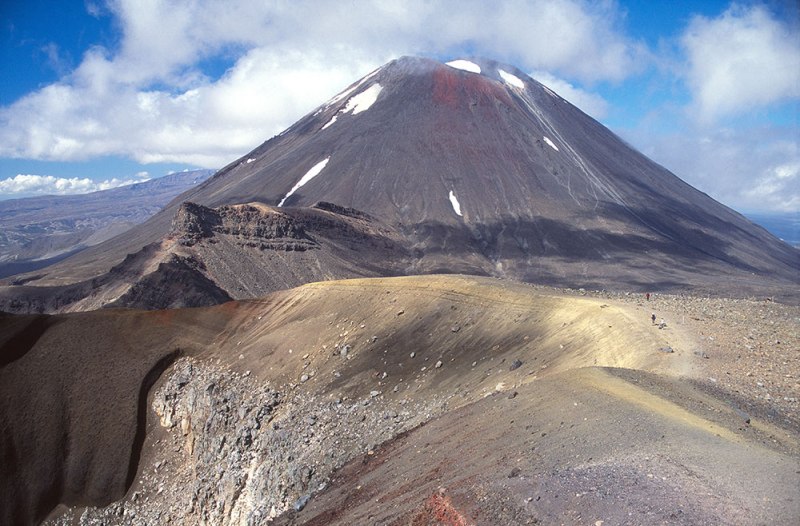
[69,407]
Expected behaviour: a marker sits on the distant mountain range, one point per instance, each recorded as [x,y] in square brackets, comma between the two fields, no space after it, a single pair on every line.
[38,231]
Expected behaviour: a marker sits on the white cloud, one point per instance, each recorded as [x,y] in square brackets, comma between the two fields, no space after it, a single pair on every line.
[743,59]
[28,185]
[149,100]
[751,170]
[590,103]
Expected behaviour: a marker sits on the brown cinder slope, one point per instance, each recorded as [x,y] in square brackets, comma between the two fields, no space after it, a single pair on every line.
[337,359]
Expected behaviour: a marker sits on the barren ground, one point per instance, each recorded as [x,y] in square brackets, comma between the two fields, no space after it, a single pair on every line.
[520,404]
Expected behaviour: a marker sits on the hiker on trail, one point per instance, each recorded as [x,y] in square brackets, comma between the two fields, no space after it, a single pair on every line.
[647,296]
[653,318]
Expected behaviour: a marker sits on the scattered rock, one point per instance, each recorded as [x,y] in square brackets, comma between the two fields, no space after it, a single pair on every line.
[667,350]
[301,503]
[438,364]
[516,364]
[744,416]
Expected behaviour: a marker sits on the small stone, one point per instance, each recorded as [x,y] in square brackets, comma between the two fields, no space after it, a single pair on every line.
[373,394]
[438,364]
[667,350]
[304,378]
[514,473]
[515,365]
[400,312]
[455,328]
[512,395]
[413,354]
[301,503]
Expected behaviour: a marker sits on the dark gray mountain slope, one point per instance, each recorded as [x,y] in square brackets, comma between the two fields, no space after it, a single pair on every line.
[490,173]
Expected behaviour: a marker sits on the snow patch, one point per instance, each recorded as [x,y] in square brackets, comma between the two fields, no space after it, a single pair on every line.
[347,92]
[333,119]
[455,203]
[342,95]
[551,144]
[363,100]
[511,80]
[313,172]
[465,65]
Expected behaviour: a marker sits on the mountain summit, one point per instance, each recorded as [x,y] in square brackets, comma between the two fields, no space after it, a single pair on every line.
[472,166]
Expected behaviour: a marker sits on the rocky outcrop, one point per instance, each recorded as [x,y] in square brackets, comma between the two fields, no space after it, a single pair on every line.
[193,222]
[177,282]
[239,451]
[253,226]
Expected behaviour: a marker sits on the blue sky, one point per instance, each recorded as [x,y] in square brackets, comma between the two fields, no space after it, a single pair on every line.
[99,93]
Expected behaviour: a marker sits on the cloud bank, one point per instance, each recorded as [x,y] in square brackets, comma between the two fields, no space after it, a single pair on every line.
[742,60]
[151,101]
[23,185]
[591,103]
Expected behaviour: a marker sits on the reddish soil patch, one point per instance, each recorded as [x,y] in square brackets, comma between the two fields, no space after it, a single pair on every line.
[452,89]
[439,510]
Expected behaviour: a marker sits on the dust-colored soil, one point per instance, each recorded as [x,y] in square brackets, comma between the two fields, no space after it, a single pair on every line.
[745,350]
[577,447]
[508,404]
